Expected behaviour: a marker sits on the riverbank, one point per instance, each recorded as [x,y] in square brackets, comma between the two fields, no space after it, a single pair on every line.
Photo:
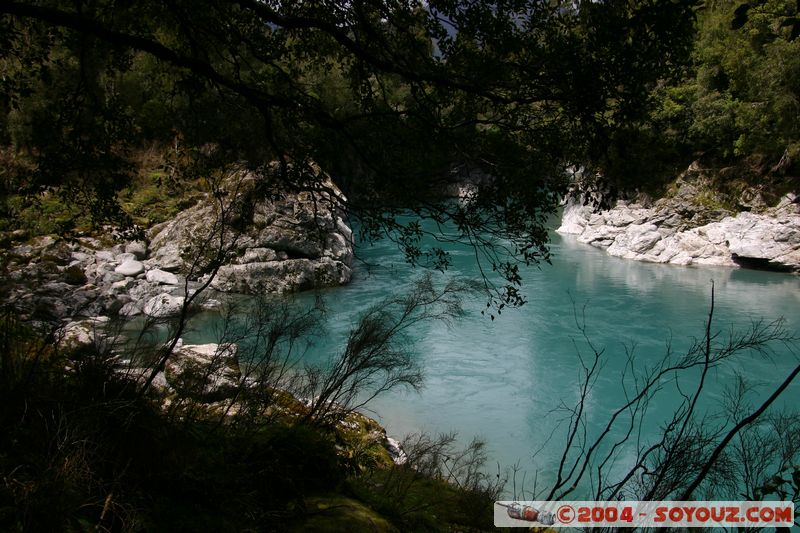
[290,243]
[687,229]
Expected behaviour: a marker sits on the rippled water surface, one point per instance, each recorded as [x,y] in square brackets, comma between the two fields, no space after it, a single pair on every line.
[502,379]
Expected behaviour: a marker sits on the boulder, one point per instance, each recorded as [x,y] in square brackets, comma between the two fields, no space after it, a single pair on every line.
[161,277]
[678,232]
[281,276]
[103,256]
[109,278]
[163,305]
[130,309]
[279,243]
[282,243]
[338,248]
[209,372]
[130,267]
[574,217]
[122,286]
[395,449]
[137,248]
[84,333]
[260,255]
[636,239]
[124,256]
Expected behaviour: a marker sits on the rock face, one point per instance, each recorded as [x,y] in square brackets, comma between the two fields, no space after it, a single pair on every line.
[276,243]
[205,371]
[676,231]
[162,277]
[281,276]
[83,333]
[281,244]
[163,305]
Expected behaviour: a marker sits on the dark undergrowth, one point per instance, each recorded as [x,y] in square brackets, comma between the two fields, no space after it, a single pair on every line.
[81,450]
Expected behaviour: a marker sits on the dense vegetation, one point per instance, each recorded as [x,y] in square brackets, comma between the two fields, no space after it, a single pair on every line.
[397,100]
[110,108]
[119,113]
[88,446]
[736,105]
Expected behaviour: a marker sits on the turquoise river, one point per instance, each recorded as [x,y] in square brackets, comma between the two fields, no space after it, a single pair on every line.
[504,379]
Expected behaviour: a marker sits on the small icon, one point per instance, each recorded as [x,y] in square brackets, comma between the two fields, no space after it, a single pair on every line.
[529,514]
[566,514]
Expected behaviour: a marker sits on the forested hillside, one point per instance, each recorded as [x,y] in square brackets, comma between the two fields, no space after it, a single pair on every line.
[736,102]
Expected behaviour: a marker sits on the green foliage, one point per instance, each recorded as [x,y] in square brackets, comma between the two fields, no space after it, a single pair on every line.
[396,100]
[84,444]
[439,484]
[738,101]
[82,450]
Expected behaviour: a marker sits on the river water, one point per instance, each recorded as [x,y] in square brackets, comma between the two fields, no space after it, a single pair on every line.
[503,380]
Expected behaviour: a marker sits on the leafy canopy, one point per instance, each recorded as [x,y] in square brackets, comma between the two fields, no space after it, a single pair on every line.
[398,100]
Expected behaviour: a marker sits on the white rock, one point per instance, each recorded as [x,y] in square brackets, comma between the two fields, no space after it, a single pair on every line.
[574,218]
[112,277]
[337,247]
[80,257]
[131,267]
[304,231]
[281,276]
[210,370]
[137,248]
[130,309]
[636,239]
[258,255]
[344,229]
[122,285]
[160,276]
[163,305]
[78,334]
[399,456]
[601,235]
[104,256]
[122,257]
[83,332]
[771,240]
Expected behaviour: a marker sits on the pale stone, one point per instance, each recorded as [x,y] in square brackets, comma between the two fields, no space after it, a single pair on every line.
[296,242]
[209,370]
[130,309]
[162,277]
[258,255]
[83,333]
[164,305]
[122,257]
[770,239]
[131,267]
[137,248]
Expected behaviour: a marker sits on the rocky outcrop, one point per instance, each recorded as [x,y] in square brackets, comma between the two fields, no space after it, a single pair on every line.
[680,231]
[274,243]
[209,372]
[164,305]
[279,244]
[82,334]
